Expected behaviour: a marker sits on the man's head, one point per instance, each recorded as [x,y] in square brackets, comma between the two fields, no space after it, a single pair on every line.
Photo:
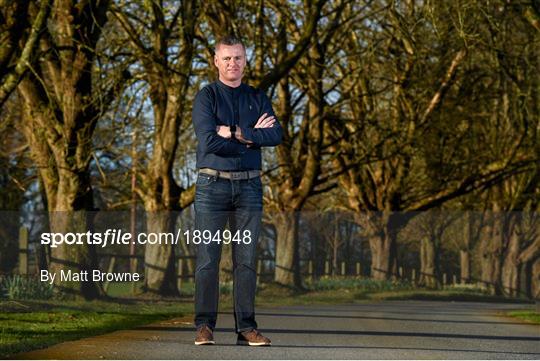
[230,59]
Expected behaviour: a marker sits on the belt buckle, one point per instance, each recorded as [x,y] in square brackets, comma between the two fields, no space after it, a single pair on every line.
[236,175]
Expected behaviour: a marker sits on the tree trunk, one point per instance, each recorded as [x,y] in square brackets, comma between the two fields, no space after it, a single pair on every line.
[73,258]
[490,254]
[64,175]
[294,190]
[381,229]
[535,280]
[429,273]
[383,256]
[168,77]
[159,259]
[287,267]
[511,267]
[60,112]
[490,270]
[465,265]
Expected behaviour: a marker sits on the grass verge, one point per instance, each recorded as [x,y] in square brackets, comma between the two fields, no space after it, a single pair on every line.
[29,325]
[528,316]
[443,295]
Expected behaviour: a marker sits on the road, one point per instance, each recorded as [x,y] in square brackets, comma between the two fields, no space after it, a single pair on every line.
[374,330]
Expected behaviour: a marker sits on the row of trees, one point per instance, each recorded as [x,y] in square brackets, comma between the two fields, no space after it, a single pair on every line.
[389,108]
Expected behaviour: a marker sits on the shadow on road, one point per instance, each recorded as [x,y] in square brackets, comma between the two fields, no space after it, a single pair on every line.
[406,309]
[385,348]
[384,318]
[356,333]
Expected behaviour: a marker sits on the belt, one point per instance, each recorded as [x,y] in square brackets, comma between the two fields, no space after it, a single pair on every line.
[246,174]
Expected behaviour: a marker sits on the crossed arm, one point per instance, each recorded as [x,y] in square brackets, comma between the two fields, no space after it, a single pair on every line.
[216,139]
[265,121]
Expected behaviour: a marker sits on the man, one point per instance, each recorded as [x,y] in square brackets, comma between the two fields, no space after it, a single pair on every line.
[232,122]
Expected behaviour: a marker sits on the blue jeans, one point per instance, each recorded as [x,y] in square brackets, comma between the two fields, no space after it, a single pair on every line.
[238,202]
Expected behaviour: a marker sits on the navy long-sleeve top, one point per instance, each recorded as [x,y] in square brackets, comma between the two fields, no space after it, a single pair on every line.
[219,104]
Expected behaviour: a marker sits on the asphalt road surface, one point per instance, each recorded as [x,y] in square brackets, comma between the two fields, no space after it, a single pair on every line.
[375,330]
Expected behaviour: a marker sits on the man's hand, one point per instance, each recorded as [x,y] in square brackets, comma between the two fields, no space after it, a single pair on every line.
[224,131]
[265,121]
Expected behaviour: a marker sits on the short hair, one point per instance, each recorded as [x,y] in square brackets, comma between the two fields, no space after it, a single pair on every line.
[229,40]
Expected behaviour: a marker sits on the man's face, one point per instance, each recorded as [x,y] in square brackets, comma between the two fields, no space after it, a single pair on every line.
[230,61]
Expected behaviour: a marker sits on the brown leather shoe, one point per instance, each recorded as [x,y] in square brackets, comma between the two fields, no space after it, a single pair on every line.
[204,336]
[253,338]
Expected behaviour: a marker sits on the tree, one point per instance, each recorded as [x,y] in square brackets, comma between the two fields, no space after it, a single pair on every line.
[432,225]
[300,157]
[165,50]
[61,105]
[400,129]
[16,176]
[512,103]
